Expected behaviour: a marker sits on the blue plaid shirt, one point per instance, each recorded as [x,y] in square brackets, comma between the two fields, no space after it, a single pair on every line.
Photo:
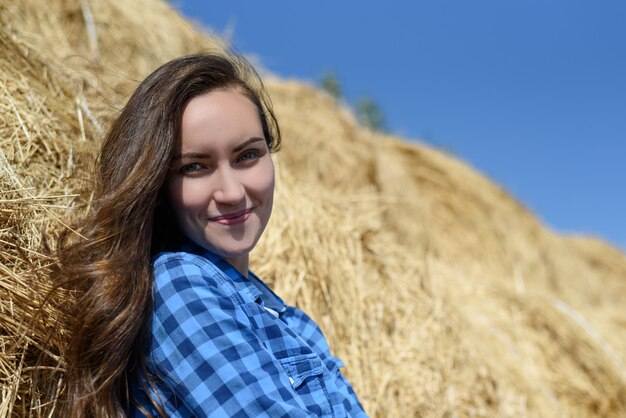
[223,345]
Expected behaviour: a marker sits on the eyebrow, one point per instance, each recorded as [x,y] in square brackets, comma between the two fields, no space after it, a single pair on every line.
[192,155]
[246,143]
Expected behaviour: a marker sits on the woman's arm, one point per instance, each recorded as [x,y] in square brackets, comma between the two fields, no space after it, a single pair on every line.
[205,349]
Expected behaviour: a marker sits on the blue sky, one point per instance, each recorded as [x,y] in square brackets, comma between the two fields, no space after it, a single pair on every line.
[531,93]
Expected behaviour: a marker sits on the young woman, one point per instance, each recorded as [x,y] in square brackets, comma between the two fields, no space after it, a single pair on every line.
[168,319]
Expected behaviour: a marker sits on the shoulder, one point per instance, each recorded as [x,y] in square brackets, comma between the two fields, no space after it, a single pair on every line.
[187,279]
[191,292]
[181,265]
[171,260]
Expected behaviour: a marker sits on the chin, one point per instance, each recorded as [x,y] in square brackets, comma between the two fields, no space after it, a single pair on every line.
[236,250]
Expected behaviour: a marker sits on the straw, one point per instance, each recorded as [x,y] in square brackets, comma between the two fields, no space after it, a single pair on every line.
[443,295]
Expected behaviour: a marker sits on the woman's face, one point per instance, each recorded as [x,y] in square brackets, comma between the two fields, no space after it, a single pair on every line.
[221,184]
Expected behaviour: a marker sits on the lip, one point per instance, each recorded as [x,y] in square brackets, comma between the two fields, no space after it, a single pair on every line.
[234,218]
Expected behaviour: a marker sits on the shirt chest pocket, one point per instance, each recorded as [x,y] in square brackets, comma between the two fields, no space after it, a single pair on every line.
[310,382]
[309,377]
[299,368]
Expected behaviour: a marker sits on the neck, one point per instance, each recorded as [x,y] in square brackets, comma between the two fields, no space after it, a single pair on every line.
[240,264]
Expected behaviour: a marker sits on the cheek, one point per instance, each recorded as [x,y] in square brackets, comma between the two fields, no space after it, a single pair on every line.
[183,196]
[262,182]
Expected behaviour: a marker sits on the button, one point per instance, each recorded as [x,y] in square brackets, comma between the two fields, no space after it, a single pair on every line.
[291,380]
[273,312]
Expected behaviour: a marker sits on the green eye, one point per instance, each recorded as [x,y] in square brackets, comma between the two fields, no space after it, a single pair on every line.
[190,168]
[249,155]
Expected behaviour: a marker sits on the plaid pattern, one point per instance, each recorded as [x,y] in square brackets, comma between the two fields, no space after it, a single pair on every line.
[223,345]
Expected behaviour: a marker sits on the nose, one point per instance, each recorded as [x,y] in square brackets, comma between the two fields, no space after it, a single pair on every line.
[229,189]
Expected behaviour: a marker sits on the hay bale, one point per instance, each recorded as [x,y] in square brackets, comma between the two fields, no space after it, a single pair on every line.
[444,295]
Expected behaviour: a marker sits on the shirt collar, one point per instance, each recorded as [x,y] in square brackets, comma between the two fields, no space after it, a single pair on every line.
[251,286]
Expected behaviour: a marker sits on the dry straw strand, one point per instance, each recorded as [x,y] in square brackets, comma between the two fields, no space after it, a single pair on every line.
[443,294]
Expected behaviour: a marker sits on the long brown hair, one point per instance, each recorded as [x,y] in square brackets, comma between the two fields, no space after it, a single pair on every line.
[108,264]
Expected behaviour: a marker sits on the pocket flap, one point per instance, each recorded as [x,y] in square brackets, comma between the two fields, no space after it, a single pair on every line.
[334,363]
[302,366]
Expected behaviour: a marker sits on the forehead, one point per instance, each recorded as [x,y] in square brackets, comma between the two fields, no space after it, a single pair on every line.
[219,118]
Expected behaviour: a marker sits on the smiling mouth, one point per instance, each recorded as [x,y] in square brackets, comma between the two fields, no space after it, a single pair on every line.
[233,218]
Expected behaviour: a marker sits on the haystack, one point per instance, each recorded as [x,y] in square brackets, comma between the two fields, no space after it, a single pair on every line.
[443,294]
